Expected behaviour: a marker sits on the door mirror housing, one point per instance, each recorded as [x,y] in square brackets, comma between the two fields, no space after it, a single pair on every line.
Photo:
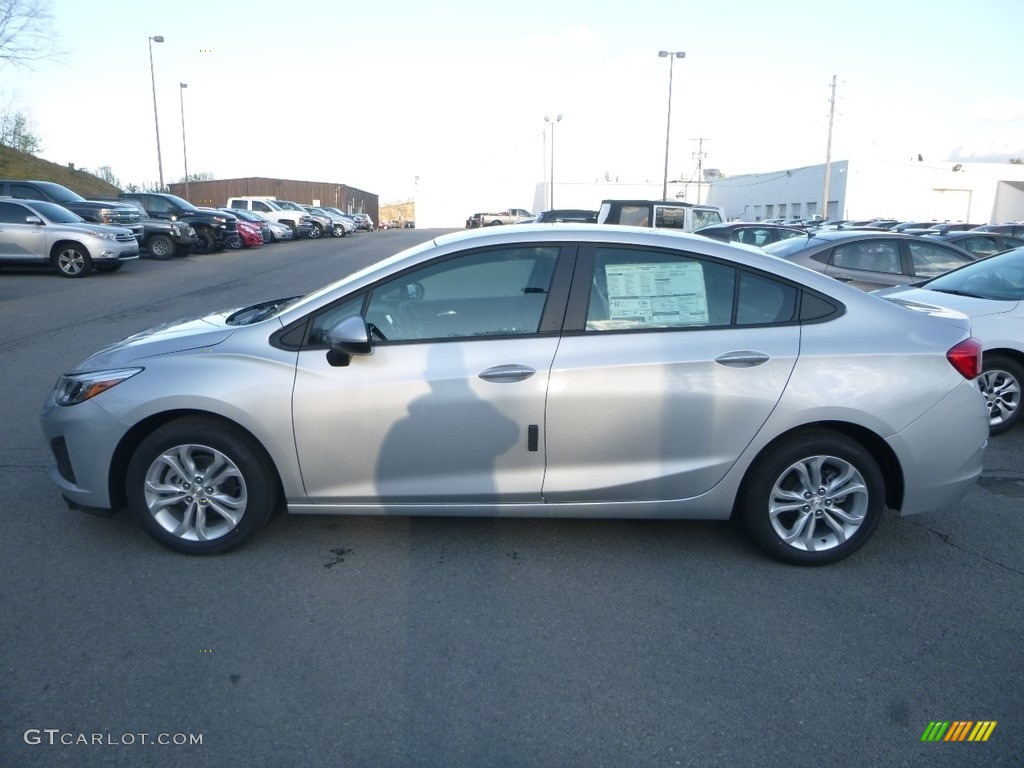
[348,337]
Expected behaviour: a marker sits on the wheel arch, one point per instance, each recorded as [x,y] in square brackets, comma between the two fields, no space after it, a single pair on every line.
[1014,354]
[56,247]
[139,432]
[881,452]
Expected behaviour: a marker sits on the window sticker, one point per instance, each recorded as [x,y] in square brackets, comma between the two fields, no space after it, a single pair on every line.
[654,295]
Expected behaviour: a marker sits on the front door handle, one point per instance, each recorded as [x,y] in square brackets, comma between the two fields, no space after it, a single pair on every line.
[507,373]
[742,359]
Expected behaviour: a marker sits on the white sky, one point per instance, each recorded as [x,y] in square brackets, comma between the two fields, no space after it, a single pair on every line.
[375,94]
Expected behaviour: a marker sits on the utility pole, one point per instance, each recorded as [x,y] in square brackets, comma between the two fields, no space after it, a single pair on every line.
[828,151]
[700,154]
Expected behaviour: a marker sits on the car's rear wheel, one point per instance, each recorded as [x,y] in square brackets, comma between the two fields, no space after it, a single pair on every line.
[813,499]
[207,241]
[1000,381]
[200,487]
[72,261]
[160,247]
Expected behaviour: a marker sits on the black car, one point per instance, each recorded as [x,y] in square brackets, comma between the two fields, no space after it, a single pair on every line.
[576,215]
[870,260]
[161,238]
[979,244]
[94,211]
[751,233]
[214,230]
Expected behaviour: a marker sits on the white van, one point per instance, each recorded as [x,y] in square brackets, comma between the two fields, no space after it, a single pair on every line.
[660,214]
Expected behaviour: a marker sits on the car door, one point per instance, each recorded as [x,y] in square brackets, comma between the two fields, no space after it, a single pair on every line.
[19,240]
[668,367]
[449,406]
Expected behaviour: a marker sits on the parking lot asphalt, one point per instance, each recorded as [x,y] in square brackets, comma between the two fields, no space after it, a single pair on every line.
[366,641]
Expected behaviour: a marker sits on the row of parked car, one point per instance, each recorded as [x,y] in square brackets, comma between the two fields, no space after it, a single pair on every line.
[44,222]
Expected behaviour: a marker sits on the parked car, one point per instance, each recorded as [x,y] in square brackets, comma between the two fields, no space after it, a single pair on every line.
[903,226]
[40,232]
[364,221]
[565,215]
[338,224]
[214,230]
[1009,228]
[979,244]
[162,238]
[571,371]
[943,229]
[870,260]
[750,233]
[991,293]
[93,211]
[660,214]
[297,221]
[249,217]
[278,231]
[318,223]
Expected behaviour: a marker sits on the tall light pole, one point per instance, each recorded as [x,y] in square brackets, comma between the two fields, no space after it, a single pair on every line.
[184,148]
[672,56]
[156,121]
[551,186]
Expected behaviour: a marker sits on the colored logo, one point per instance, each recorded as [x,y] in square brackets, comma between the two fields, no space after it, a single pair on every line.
[958,730]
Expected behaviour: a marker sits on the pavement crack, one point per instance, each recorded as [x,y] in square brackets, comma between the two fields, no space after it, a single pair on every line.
[948,541]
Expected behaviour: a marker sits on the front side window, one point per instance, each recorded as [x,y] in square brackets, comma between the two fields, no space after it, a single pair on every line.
[12,213]
[705,218]
[647,290]
[671,218]
[492,293]
[931,260]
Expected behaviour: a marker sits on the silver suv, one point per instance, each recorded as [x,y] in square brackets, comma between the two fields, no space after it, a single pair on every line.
[33,231]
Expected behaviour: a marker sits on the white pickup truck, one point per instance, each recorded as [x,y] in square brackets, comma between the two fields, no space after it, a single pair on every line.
[510,216]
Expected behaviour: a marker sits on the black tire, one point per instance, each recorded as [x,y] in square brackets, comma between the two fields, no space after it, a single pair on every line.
[207,241]
[235,506]
[1001,381]
[813,499]
[72,260]
[495,224]
[236,243]
[160,247]
[108,267]
[293,228]
[315,232]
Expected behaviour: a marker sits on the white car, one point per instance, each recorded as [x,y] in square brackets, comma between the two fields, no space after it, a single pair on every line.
[991,293]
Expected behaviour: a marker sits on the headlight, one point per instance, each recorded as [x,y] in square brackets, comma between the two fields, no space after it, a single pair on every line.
[106,235]
[74,388]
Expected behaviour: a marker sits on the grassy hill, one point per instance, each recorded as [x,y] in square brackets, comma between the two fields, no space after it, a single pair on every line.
[21,165]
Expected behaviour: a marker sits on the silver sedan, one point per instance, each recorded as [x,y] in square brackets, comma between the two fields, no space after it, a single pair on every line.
[991,293]
[541,370]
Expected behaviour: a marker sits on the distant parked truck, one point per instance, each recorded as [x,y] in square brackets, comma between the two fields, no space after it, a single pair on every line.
[510,216]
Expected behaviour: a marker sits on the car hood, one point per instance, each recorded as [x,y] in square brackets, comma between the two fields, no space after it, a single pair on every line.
[175,336]
[941,304]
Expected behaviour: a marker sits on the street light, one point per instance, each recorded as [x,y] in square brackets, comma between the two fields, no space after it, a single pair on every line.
[184,149]
[551,192]
[672,56]
[156,121]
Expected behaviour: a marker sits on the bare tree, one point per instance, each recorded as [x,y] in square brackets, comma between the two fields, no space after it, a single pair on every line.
[26,32]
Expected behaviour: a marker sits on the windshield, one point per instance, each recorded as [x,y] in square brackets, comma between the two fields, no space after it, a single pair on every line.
[182,203]
[57,213]
[788,246]
[59,193]
[1000,278]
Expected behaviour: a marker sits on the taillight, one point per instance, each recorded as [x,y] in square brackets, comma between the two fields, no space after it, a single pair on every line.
[966,358]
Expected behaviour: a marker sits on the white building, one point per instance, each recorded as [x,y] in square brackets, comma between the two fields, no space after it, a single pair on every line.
[860,189]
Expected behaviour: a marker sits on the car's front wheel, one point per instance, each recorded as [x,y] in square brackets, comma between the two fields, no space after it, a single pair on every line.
[813,499]
[200,487]
[160,247]
[315,231]
[72,261]
[1000,382]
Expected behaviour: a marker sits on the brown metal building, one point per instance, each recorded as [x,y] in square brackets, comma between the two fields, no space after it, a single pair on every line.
[216,193]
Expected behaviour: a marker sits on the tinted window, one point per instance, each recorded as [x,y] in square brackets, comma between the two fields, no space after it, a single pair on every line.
[980,245]
[672,218]
[930,260]
[12,213]
[869,256]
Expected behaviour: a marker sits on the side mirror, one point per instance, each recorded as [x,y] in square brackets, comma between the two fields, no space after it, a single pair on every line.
[33,219]
[347,338]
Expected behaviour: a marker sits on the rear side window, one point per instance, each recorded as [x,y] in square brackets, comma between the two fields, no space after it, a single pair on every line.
[644,290]
[705,218]
[869,256]
[932,260]
[672,218]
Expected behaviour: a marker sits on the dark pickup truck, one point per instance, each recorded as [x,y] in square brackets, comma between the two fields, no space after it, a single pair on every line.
[97,212]
[214,231]
[162,238]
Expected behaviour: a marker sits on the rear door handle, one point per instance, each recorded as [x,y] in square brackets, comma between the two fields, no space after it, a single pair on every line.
[500,374]
[742,359]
